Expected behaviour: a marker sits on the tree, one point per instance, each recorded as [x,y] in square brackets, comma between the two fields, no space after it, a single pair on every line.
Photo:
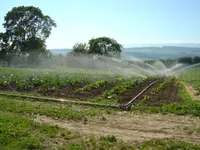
[80,48]
[27,30]
[6,54]
[196,59]
[187,60]
[104,46]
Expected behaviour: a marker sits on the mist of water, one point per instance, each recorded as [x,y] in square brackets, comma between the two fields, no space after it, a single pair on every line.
[130,66]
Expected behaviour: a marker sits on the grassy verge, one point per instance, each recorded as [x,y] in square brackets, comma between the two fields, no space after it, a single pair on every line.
[19,132]
[98,99]
[186,107]
[62,111]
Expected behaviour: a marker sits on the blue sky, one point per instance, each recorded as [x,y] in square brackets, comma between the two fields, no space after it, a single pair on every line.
[127,21]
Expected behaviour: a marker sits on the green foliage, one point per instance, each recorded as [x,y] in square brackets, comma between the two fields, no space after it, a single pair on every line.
[186,107]
[75,146]
[192,76]
[104,46]
[25,22]
[101,83]
[119,89]
[196,59]
[48,80]
[167,144]
[161,86]
[80,48]
[16,133]
[92,86]
[187,60]
[55,110]
[6,53]
[37,108]
[109,138]
[19,132]
[26,31]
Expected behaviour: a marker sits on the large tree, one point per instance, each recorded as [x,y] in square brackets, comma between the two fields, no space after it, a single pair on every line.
[27,29]
[104,46]
[6,54]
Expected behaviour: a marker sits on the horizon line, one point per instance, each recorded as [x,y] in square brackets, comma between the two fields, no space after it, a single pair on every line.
[147,45]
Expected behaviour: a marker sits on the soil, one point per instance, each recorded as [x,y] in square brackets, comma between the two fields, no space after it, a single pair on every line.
[8,88]
[167,95]
[65,92]
[170,94]
[129,126]
[133,91]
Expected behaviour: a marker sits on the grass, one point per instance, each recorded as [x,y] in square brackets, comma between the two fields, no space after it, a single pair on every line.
[167,144]
[62,111]
[192,77]
[18,132]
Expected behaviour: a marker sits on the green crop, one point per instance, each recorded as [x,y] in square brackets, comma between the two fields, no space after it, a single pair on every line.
[192,76]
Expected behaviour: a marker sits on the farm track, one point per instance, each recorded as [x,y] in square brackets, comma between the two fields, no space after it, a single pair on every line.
[133,127]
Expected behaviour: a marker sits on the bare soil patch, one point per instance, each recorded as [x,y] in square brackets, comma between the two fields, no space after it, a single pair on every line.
[133,127]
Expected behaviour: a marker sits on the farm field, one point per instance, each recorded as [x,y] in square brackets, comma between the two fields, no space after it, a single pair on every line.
[163,117]
[99,87]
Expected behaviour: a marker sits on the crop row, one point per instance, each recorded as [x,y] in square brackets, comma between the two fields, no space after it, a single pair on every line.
[119,89]
[161,86]
[48,80]
[98,84]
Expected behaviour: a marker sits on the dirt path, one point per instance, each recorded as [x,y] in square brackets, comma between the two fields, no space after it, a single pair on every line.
[192,92]
[134,127]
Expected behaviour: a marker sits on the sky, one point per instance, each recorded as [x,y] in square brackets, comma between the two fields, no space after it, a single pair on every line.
[127,21]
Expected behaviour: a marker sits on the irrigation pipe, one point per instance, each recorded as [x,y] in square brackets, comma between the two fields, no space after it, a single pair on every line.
[128,104]
[45,99]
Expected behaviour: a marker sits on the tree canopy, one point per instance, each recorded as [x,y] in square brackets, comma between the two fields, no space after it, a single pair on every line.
[27,29]
[104,46]
[80,48]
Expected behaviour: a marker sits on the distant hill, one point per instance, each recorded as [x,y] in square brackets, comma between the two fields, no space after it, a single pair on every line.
[162,45]
[60,51]
[164,52]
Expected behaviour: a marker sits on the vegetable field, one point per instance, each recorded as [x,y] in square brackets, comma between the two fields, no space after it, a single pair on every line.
[29,124]
[87,85]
